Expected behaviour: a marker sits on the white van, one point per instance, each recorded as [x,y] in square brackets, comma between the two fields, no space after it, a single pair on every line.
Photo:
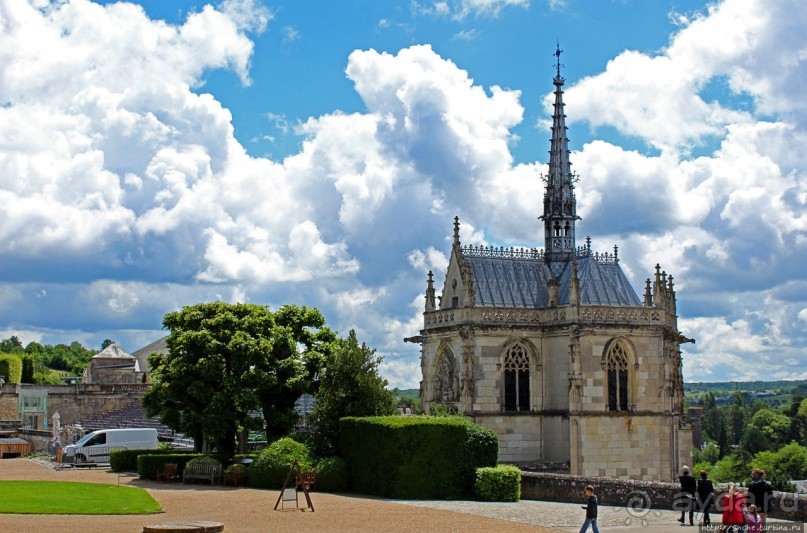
[95,447]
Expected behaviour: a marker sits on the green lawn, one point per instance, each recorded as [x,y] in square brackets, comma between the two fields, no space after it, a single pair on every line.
[55,497]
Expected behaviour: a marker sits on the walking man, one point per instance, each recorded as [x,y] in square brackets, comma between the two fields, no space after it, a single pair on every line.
[591,511]
[688,489]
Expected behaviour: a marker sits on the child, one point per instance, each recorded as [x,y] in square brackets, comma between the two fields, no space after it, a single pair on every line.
[591,511]
[753,520]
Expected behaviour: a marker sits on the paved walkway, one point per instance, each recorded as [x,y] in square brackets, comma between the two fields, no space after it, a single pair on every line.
[568,516]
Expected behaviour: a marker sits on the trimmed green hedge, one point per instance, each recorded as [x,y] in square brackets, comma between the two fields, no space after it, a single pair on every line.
[126,460]
[10,367]
[147,465]
[500,483]
[333,475]
[416,457]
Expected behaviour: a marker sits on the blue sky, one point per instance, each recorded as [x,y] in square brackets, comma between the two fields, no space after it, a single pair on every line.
[158,154]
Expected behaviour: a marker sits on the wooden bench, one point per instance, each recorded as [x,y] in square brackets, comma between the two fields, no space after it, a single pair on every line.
[202,471]
[235,474]
[169,471]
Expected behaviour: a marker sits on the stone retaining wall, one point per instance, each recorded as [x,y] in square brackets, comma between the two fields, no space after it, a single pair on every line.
[637,495]
[72,402]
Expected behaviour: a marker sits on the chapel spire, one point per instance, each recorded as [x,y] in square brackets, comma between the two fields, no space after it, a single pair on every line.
[560,205]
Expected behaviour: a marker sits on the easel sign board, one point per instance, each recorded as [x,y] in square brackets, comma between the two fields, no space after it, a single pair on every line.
[290,493]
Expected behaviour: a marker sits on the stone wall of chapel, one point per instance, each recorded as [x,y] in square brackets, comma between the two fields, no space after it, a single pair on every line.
[556,439]
[429,353]
[529,438]
[548,386]
[556,371]
[628,447]
[646,382]
[488,395]
[452,287]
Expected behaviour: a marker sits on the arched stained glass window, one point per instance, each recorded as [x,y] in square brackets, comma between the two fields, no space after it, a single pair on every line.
[516,379]
[616,363]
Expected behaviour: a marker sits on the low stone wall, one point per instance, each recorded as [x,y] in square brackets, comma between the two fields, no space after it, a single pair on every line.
[39,438]
[638,496]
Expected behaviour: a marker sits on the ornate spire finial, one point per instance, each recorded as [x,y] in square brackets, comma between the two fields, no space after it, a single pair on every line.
[616,254]
[431,304]
[456,231]
[557,53]
[560,204]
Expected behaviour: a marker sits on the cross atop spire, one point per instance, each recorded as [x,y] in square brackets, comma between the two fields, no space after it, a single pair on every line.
[557,53]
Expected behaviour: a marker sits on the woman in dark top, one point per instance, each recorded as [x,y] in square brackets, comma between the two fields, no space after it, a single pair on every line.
[706,494]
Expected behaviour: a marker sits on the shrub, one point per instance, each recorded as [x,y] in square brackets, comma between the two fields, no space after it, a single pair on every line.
[147,465]
[500,483]
[10,367]
[126,460]
[204,460]
[46,378]
[235,468]
[332,475]
[269,471]
[416,457]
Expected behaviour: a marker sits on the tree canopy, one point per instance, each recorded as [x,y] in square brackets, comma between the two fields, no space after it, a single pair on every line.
[225,362]
[751,433]
[42,363]
[350,386]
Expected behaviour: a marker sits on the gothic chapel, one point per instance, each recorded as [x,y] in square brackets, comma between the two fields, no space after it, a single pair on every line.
[554,350]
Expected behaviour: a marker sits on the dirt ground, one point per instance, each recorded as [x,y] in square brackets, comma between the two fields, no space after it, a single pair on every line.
[240,509]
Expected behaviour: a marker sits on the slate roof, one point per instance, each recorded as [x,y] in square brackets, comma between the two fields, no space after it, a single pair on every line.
[143,353]
[519,282]
[113,351]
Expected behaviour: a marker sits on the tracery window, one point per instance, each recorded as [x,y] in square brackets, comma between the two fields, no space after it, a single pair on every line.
[516,379]
[616,363]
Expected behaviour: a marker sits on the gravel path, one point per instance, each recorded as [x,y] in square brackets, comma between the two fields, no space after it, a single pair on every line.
[241,509]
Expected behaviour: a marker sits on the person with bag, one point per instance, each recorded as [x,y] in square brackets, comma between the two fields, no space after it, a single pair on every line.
[706,496]
[733,504]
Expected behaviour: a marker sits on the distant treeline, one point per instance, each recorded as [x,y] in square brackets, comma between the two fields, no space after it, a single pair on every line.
[794,386]
[45,363]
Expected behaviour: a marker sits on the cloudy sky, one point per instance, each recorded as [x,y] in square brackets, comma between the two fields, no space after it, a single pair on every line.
[159,154]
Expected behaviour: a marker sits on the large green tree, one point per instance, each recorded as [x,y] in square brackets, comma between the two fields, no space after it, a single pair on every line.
[225,361]
[351,386]
[300,343]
